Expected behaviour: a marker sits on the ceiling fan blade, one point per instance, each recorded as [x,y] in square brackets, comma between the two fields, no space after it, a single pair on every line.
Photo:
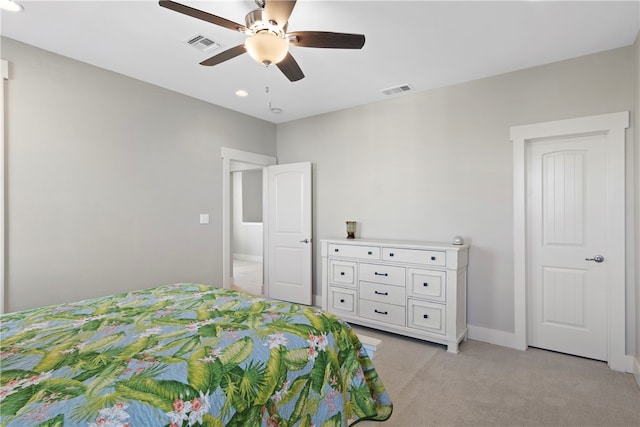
[290,68]
[199,14]
[224,56]
[279,11]
[326,39]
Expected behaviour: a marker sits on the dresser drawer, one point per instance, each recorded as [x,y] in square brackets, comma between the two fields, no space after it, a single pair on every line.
[428,284]
[342,300]
[354,251]
[415,256]
[427,316]
[382,293]
[388,313]
[387,274]
[343,273]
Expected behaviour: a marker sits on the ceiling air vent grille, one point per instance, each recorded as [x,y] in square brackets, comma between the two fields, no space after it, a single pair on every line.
[397,89]
[203,43]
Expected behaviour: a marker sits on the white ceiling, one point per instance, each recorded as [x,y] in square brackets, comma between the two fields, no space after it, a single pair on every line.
[425,44]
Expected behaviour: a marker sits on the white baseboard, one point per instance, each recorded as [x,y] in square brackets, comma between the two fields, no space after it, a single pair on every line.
[508,339]
[492,336]
[628,364]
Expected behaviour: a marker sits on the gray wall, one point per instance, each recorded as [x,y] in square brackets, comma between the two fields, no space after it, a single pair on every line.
[252,195]
[106,179]
[435,164]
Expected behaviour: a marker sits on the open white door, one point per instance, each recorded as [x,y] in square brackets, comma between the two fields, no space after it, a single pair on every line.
[288,225]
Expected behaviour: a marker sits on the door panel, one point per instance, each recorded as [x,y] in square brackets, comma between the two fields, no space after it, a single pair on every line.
[563,198]
[564,296]
[566,216]
[289,232]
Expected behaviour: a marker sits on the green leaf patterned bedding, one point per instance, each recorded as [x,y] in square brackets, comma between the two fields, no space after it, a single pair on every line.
[184,355]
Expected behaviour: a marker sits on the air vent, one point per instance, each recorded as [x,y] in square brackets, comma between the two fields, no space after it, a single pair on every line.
[397,89]
[202,43]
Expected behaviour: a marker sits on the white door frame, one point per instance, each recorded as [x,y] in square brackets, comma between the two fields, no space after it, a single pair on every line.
[4,76]
[234,160]
[613,126]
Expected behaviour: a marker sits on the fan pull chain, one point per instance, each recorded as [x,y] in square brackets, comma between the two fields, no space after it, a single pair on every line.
[274,110]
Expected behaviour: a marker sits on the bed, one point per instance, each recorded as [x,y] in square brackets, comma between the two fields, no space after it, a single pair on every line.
[184,355]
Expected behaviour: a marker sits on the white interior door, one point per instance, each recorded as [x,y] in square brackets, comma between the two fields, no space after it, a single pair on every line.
[288,224]
[567,214]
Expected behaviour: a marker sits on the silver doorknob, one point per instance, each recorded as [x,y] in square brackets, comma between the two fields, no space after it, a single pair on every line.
[597,258]
[304,241]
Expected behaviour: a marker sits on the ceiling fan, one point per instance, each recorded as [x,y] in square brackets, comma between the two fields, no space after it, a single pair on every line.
[268,41]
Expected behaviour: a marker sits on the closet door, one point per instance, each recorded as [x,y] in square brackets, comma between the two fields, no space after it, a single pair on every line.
[568,201]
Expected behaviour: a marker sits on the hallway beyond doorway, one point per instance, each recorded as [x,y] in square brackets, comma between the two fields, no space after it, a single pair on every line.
[247,275]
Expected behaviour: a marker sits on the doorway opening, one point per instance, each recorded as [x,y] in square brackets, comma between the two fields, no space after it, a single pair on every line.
[234,161]
[286,214]
[247,231]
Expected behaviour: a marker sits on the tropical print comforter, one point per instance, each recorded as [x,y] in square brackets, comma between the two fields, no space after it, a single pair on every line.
[184,355]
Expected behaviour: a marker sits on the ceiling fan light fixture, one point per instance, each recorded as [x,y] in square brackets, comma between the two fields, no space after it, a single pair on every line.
[267,37]
[267,48]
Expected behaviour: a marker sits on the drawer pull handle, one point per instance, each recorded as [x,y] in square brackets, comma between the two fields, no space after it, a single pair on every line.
[381,293]
[426,316]
[336,250]
[391,254]
[369,253]
[342,300]
[380,312]
[381,274]
[433,258]
[425,284]
[342,273]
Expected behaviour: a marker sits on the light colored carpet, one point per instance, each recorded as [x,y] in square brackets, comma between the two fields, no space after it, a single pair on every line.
[247,276]
[488,385]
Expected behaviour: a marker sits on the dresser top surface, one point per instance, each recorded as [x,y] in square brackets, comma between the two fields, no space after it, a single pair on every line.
[411,244]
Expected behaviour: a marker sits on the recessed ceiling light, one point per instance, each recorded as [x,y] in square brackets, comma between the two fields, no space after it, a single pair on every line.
[242,93]
[10,6]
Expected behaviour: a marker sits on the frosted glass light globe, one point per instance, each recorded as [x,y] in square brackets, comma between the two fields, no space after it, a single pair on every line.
[267,48]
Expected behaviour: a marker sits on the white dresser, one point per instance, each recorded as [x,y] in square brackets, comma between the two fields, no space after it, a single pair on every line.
[409,288]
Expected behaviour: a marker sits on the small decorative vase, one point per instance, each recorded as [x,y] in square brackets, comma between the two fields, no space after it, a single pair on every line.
[351,229]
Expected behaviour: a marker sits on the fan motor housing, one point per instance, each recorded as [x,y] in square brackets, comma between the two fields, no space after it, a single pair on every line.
[256,20]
